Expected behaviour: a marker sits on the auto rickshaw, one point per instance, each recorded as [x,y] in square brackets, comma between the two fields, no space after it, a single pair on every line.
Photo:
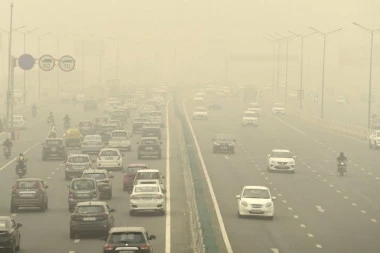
[73,138]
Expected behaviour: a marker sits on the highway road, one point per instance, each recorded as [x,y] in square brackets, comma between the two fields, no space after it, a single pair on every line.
[49,232]
[316,210]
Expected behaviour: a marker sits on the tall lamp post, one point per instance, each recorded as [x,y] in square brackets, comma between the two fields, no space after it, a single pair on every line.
[301,67]
[273,40]
[371,32]
[325,34]
[39,55]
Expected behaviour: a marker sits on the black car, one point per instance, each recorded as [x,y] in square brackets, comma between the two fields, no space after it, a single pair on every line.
[149,147]
[53,148]
[76,164]
[82,190]
[128,239]
[10,236]
[90,105]
[223,143]
[91,217]
[29,192]
[151,130]
[138,124]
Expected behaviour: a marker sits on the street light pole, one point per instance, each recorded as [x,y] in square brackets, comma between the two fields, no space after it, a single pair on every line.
[10,88]
[301,63]
[325,34]
[274,49]
[372,32]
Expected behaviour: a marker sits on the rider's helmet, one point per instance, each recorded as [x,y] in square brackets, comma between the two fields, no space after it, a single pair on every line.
[341,154]
[21,154]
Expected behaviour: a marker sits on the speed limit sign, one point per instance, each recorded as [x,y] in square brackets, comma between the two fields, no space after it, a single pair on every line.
[67,63]
[46,62]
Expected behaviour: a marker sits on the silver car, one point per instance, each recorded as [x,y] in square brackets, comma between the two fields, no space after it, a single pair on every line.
[147,198]
[92,144]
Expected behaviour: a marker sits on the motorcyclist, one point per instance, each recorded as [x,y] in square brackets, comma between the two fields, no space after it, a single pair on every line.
[52,127]
[50,118]
[66,118]
[341,158]
[21,161]
[8,143]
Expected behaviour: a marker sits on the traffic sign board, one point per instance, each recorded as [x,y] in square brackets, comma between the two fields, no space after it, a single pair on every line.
[67,63]
[26,61]
[46,62]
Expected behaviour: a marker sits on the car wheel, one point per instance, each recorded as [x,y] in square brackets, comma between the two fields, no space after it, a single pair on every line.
[72,234]
[131,213]
[19,244]
[12,249]
[271,217]
[239,215]
[43,206]
[162,212]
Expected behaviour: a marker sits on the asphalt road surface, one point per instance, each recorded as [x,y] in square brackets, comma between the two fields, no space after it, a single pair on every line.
[316,210]
[49,232]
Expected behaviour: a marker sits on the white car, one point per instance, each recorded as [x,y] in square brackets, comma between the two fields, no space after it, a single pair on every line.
[200,113]
[19,122]
[278,108]
[121,140]
[147,197]
[199,99]
[110,159]
[255,201]
[150,174]
[254,107]
[374,139]
[281,160]
[249,118]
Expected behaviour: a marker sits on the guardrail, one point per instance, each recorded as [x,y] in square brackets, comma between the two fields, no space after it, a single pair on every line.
[203,234]
[358,132]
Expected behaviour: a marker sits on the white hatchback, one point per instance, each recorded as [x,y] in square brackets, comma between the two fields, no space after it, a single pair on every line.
[255,201]
[147,197]
[110,159]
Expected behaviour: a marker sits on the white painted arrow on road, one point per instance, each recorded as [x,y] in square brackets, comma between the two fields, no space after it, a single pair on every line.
[274,250]
[320,209]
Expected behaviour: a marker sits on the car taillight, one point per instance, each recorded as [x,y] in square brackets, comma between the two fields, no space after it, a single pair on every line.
[134,197]
[70,194]
[102,216]
[159,196]
[108,246]
[144,247]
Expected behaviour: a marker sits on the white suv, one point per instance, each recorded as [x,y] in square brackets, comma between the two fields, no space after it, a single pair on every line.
[281,160]
[249,118]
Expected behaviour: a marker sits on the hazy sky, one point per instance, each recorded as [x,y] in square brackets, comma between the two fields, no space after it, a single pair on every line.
[188,41]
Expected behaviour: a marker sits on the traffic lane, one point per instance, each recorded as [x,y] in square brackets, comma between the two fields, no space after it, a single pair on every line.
[286,185]
[229,173]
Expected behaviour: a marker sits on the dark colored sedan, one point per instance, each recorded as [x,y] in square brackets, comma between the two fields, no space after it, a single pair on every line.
[9,234]
[223,143]
[128,239]
[91,217]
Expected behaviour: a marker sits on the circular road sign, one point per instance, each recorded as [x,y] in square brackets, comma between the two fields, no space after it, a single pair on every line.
[26,61]
[67,63]
[47,62]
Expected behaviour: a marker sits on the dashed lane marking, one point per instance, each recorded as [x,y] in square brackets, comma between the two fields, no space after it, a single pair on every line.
[363,211]
[274,250]
[320,209]
[318,246]
[14,214]
[338,191]
[76,240]
[374,220]
[226,157]
[354,204]
[295,216]
[310,235]
[331,185]
[345,197]
[71,251]
[290,209]
[302,225]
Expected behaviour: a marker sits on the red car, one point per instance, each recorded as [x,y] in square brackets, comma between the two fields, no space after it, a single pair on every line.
[130,173]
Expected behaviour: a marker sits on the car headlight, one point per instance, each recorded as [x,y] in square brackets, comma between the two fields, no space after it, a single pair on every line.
[216,144]
[269,204]
[244,203]
[231,144]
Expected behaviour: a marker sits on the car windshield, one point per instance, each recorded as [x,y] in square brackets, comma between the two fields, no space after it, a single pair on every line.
[141,189]
[53,142]
[27,185]
[256,194]
[148,175]
[127,237]
[78,159]
[135,169]
[223,137]
[284,154]
[120,134]
[149,142]
[96,176]
[89,209]
[83,185]
[250,115]
[109,153]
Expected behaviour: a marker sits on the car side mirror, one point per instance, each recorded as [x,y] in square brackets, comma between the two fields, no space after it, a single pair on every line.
[111,176]
[238,197]
[273,198]
[152,237]
[19,225]
[268,156]
[163,177]
[112,210]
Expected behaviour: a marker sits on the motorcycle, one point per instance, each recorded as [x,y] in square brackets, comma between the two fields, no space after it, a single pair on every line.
[21,170]
[7,152]
[66,124]
[341,168]
[50,121]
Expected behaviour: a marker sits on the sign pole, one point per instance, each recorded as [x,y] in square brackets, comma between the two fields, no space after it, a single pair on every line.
[13,65]
[9,92]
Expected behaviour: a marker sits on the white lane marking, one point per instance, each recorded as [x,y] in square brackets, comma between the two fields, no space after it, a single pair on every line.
[362,169]
[363,211]
[226,157]
[274,250]
[302,225]
[168,219]
[320,209]
[325,180]
[295,216]
[14,159]
[318,246]
[374,220]
[274,189]
[71,251]
[319,175]
[310,235]
[262,173]
[313,171]
[266,178]
[331,185]
[289,125]
[76,240]
[290,209]
[52,172]
[377,178]
[57,168]
[210,187]
[48,177]
[356,165]
[279,194]
[370,173]
[284,201]
[269,182]
[345,197]
[354,204]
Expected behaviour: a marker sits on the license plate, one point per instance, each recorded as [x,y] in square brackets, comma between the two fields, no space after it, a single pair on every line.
[109,158]
[126,251]
[89,218]
[149,148]
[82,195]
[78,167]
[26,195]
[256,211]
